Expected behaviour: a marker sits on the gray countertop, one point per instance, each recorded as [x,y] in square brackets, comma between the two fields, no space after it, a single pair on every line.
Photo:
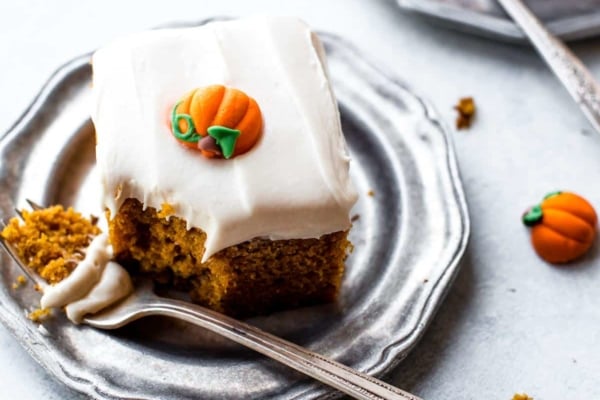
[510,323]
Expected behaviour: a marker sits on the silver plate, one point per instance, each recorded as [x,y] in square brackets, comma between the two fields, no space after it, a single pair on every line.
[409,239]
[568,19]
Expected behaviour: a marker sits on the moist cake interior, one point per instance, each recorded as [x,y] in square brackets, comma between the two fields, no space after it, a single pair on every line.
[254,277]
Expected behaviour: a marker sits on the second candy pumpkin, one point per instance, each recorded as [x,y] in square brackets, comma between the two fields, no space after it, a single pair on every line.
[563,227]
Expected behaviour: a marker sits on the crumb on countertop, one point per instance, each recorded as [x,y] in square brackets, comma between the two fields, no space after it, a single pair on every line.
[48,240]
[370,193]
[521,396]
[466,112]
[355,218]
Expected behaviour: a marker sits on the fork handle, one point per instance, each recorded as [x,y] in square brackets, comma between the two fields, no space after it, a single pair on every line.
[339,376]
[573,74]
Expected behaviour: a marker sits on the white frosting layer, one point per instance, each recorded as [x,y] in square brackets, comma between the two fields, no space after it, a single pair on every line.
[114,285]
[83,278]
[293,184]
[93,285]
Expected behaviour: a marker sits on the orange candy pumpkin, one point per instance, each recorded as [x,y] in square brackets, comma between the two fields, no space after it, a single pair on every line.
[229,116]
[563,227]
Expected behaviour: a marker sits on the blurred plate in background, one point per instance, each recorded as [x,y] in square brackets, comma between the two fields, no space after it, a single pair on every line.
[568,19]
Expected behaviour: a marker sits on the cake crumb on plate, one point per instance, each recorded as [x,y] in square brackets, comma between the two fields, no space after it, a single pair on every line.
[40,314]
[19,282]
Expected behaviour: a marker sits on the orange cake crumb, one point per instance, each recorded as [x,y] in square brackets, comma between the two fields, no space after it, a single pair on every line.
[39,314]
[166,210]
[521,396]
[20,281]
[49,240]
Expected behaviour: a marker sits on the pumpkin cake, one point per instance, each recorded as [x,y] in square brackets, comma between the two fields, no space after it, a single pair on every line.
[223,164]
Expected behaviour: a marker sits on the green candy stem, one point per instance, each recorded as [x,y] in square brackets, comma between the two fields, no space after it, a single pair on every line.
[533,216]
[190,134]
[225,138]
[552,194]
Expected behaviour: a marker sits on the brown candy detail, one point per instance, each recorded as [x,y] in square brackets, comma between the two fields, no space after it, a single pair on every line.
[209,148]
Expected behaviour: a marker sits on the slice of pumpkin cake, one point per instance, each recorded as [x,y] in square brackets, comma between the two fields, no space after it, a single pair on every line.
[223,164]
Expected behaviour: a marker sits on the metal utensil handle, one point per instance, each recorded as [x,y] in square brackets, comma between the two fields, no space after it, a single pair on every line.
[573,74]
[345,379]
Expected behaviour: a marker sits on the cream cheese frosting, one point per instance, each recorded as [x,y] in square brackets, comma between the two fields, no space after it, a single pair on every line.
[95,284]
[293,184]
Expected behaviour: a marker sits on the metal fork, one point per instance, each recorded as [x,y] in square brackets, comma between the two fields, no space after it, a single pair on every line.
[144,302]
[568,68]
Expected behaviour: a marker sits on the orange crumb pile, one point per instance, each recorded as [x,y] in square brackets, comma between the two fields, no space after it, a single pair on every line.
[49,240]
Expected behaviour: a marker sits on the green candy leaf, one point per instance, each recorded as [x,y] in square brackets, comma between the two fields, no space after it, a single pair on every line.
[533,216]
[225,138]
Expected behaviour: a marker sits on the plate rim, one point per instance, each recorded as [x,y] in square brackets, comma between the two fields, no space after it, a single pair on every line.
[451,163]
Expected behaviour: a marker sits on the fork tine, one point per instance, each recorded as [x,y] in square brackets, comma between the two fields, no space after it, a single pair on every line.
[34,206]
[19,213]
[79,252]
[26,270]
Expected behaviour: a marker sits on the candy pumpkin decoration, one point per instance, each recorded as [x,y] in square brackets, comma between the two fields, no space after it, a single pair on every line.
[218,121]
[563,227]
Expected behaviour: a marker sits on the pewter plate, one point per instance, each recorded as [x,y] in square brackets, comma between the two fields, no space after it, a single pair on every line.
[411,232]
[568,19]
